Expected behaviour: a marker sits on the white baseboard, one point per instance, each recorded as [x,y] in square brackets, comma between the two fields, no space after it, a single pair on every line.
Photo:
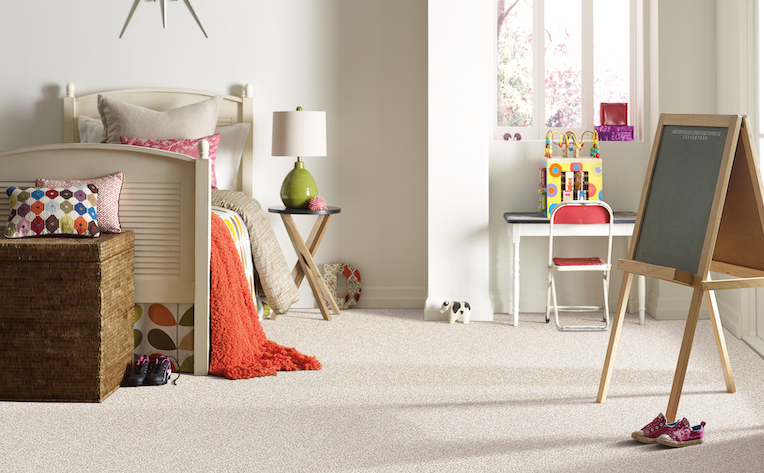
[373,298]
[731,321]
[673,309]
[676,308]
[500,301]
[392,297]
[535,301]
[756,343]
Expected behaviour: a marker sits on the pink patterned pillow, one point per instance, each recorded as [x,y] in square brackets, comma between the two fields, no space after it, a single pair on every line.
[187,147]
[109,188]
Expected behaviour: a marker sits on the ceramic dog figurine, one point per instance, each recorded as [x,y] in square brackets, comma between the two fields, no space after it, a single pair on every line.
[456,310]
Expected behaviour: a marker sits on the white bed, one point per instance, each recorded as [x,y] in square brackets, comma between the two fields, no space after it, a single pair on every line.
[165,198]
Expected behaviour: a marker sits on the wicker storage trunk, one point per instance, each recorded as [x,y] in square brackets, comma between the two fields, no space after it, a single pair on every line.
[66,317]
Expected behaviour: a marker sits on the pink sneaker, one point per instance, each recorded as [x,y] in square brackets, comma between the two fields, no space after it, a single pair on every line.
[682,435]
[651,432]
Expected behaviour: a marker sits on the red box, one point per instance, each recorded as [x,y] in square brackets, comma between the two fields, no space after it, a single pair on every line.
[614,114]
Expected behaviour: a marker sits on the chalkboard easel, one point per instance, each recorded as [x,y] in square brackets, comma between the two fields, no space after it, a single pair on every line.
[701,210]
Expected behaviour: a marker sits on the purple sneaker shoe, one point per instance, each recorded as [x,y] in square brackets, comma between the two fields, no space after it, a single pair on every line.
[682,435]
[656,428]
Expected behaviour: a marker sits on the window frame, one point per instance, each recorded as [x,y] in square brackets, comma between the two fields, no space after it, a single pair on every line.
[538,129]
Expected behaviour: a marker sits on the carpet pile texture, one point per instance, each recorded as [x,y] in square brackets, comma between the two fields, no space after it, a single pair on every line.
[398,394]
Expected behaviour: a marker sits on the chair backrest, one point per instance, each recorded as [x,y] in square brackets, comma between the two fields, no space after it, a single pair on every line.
[582,212]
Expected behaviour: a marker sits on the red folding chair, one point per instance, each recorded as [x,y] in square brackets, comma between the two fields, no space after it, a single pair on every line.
[587,212]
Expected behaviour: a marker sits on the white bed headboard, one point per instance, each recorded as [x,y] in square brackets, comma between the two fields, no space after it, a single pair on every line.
[158,235]
[233,110]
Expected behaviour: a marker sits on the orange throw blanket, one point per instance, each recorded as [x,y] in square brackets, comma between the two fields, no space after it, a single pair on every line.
[239,348]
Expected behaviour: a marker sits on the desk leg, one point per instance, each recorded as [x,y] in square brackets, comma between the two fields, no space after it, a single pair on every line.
[310,271]
[515,275]
[314,239]
[510,275]
[641,295]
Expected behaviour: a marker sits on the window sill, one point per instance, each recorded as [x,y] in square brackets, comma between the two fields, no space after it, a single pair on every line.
[542,140]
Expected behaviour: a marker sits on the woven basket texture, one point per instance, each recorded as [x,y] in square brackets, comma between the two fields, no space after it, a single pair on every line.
[66,317]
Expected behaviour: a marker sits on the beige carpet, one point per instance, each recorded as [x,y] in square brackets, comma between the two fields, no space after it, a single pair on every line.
[398,394]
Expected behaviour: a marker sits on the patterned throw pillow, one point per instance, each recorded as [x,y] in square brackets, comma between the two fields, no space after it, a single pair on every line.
[109,189]
[39,211]
[187,147]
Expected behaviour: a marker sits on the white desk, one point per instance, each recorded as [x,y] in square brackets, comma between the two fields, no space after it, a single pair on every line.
[520,224]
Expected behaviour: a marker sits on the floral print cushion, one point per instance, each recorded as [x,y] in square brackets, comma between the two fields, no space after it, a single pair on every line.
[187,147]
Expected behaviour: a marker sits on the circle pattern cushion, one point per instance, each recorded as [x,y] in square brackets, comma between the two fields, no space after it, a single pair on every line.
[52,211]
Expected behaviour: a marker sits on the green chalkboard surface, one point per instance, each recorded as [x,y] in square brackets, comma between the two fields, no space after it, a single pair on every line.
[681,195]
[701,210]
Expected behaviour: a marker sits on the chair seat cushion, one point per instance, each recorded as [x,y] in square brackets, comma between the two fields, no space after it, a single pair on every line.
[577,261]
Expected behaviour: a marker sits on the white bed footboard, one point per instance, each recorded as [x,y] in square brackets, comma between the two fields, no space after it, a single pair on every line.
[165,200]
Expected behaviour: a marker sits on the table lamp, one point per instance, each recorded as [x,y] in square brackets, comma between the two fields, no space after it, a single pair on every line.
[300,133]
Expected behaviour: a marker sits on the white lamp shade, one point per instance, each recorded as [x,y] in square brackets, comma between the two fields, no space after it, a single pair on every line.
[299,133]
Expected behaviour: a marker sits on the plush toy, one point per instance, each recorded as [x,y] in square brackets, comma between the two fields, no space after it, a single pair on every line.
[456,310]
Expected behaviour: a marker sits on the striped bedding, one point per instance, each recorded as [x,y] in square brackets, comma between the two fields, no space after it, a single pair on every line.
[241,240]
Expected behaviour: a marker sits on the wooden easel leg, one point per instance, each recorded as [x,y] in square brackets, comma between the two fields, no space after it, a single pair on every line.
[721,345]
[607,369]
[684,353]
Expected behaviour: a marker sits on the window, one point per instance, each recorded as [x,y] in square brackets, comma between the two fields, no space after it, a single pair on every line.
[557,60]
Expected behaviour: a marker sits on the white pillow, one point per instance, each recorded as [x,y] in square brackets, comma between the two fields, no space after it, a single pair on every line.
[230,149]
[183,123]
[91,129]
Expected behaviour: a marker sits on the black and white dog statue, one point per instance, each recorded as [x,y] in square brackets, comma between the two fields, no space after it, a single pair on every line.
[456,310]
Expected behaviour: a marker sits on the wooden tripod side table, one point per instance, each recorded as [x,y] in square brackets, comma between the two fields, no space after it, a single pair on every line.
[306,267]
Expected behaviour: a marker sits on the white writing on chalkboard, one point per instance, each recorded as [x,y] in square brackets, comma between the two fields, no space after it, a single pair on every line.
[696,134]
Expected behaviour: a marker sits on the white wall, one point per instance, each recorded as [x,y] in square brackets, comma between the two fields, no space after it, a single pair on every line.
[458,137]
[364,62]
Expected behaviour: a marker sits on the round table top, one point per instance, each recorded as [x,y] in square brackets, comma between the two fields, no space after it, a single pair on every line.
[283,210]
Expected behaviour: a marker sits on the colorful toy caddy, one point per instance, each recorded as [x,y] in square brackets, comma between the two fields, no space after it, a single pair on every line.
[569,177]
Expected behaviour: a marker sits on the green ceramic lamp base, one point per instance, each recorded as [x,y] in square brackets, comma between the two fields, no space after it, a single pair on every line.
[298,187]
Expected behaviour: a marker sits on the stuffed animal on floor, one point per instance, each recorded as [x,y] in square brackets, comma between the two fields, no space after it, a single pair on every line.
[456,310]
